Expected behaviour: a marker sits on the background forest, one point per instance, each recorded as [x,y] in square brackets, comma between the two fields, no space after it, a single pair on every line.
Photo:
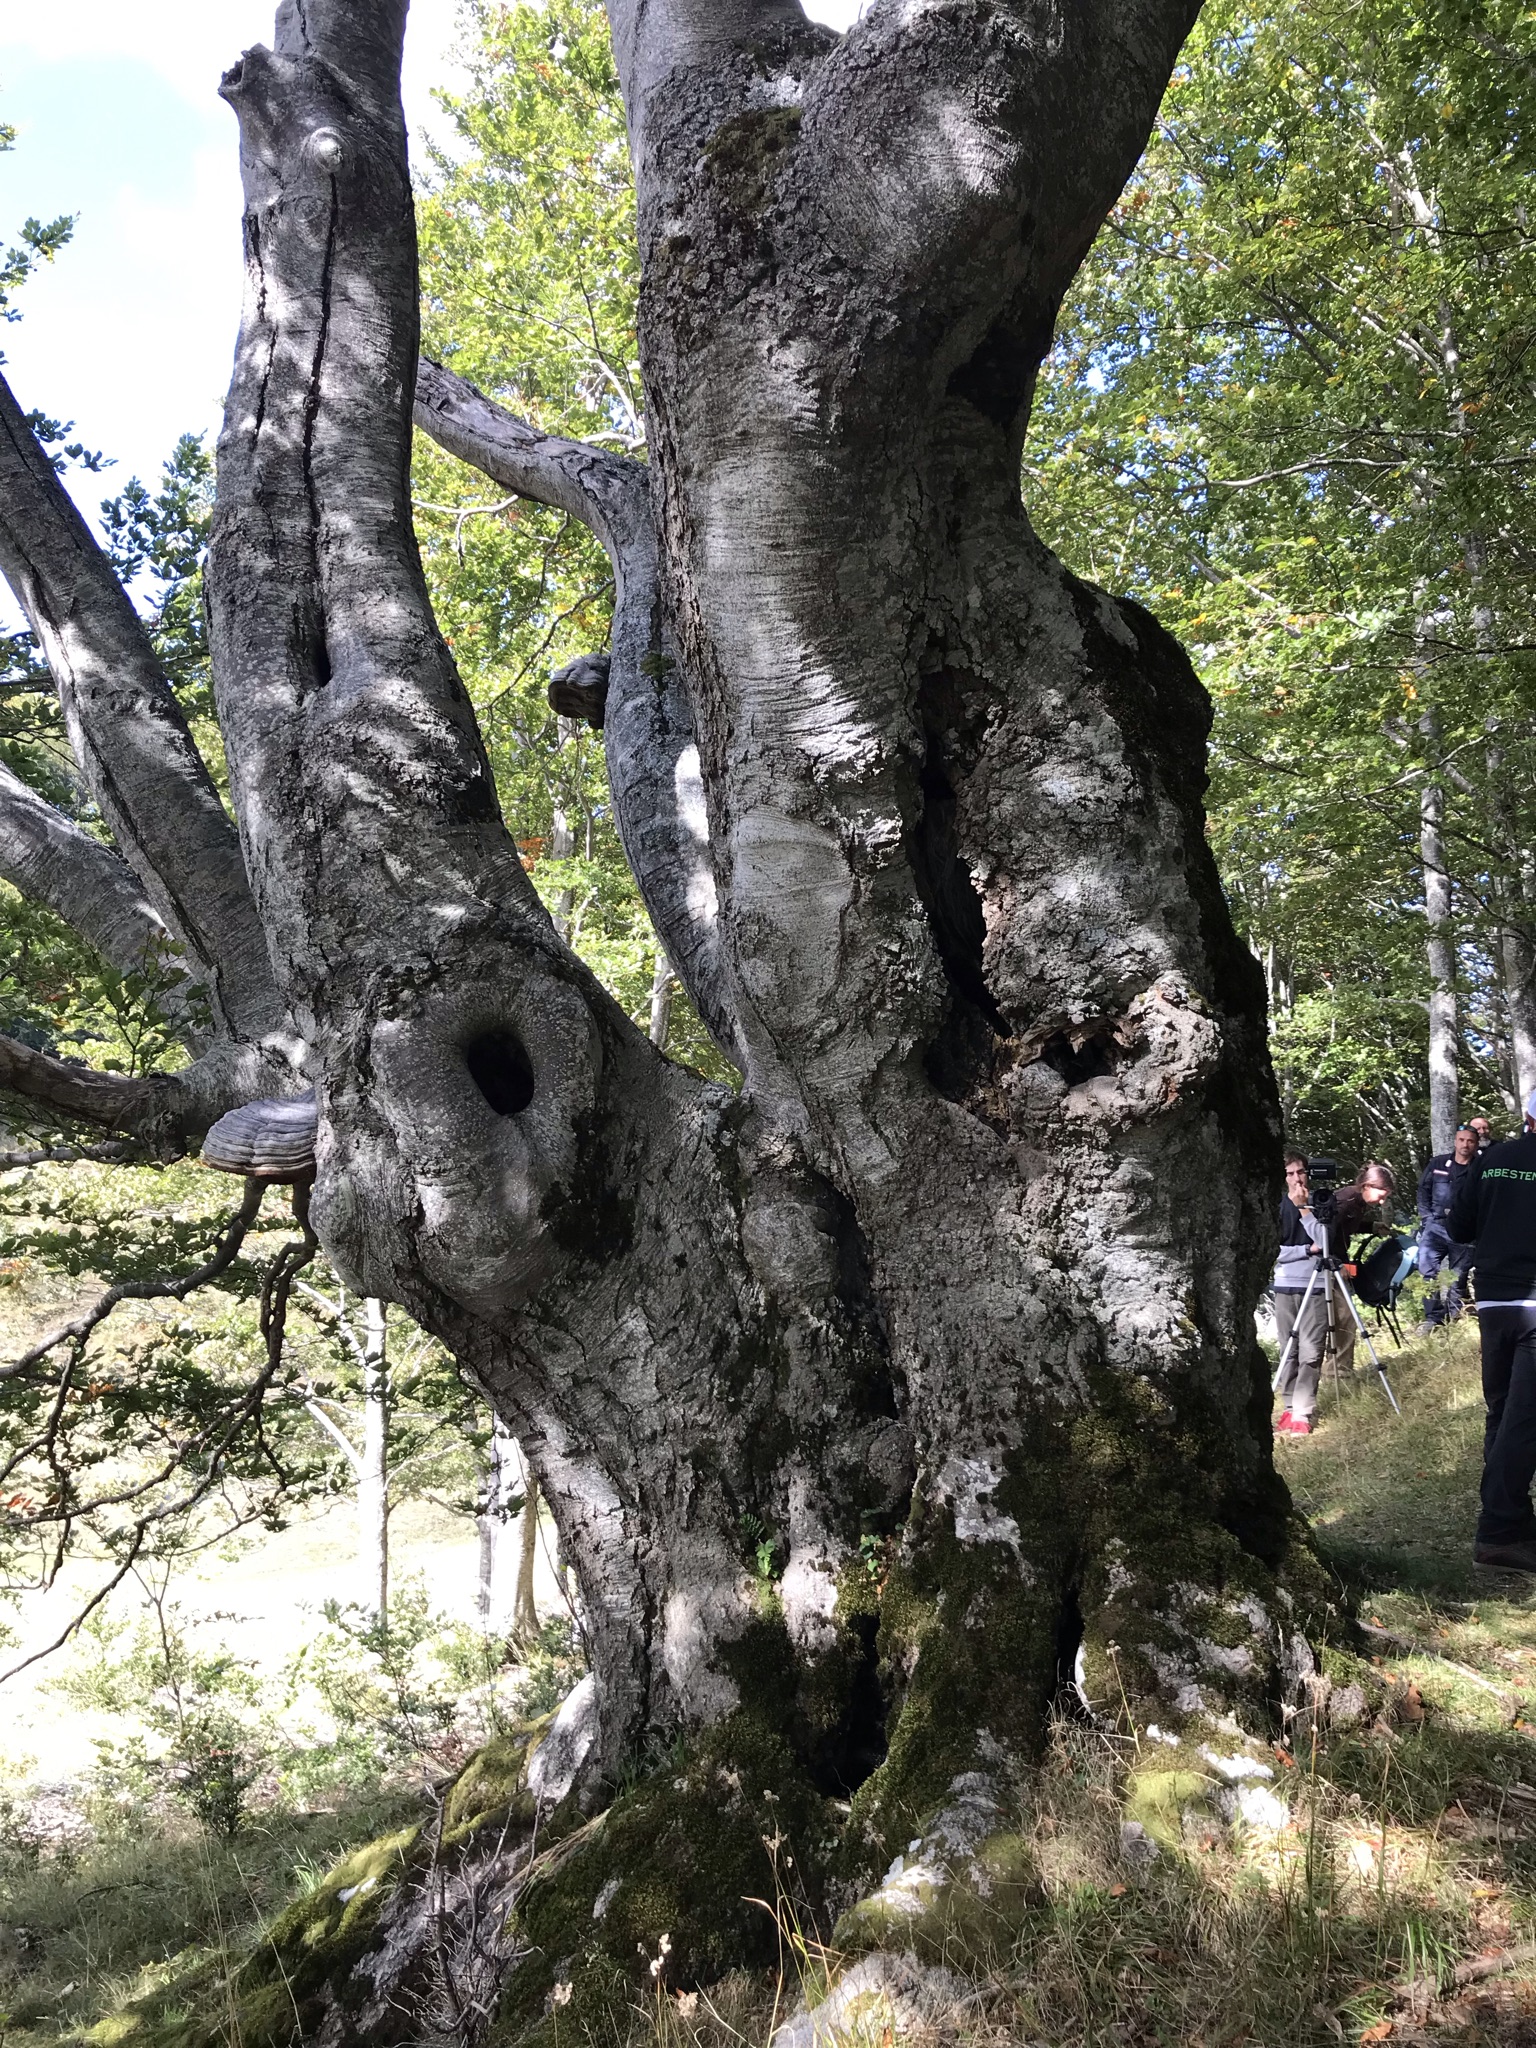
[1291,410]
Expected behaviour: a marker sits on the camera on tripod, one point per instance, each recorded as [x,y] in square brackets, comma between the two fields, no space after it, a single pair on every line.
[1323,1176]
[1323,1187]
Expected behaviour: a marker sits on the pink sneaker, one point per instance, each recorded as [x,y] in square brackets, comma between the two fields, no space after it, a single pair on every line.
[1299,1425]
[1283,1426]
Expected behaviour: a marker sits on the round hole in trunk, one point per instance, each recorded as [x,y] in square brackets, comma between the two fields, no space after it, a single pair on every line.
[501,1070]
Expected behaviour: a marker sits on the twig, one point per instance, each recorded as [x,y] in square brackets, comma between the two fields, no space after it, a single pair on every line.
[79,1330]
[1494,1966]
[1410,1648]
[276,1287]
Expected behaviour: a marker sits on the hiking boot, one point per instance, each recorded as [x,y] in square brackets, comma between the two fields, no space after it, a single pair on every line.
[1516,1555]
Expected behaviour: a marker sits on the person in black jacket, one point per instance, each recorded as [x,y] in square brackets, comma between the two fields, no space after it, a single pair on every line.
[1437,1188]
[1494,1210]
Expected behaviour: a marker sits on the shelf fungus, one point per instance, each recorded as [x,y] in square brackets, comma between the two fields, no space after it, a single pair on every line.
[270,1140]
[580,689]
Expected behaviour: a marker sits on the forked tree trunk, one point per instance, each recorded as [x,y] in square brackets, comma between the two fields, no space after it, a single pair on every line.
[882,1400]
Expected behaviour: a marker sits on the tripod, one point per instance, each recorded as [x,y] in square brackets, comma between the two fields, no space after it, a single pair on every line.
[1326,1270]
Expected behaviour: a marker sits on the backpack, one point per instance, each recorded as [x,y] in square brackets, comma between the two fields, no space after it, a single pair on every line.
[1376,1275]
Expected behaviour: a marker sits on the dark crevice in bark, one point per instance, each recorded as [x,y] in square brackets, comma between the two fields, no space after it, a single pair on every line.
[856,1748]
[963,1048]
[1066,1689]
[1074,1062]
[586,1216]
[321,657]
[500,1068]
[317,371]
[1000,375]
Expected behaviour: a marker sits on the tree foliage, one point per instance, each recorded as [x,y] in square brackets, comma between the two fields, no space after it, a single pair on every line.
[1291,408]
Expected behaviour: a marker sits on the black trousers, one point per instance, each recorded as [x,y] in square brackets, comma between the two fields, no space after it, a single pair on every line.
[1509,1443]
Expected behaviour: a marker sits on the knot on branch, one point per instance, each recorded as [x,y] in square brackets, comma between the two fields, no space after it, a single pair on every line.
[580,689]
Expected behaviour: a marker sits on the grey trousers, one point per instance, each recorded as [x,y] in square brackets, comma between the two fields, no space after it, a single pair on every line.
[1298,1382]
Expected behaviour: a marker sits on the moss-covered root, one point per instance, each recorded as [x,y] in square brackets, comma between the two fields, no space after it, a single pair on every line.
[361,1955]
[960,1890]
[1106,1567]
[697,1870]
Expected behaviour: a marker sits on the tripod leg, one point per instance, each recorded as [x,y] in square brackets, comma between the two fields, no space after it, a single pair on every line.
[1381,1371]
[1330,1342]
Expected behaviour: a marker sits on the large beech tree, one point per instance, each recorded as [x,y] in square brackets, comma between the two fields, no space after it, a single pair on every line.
[882,1401]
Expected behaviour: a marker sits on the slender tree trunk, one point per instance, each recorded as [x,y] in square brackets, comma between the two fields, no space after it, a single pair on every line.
[663,982]
[1440,946]
[1513,910]
[502,1483]
[373,1463]
[524,1624]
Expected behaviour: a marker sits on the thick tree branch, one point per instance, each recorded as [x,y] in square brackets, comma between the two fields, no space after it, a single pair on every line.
[609,493]
[129,735]
[463,1040]
[167,1112]
[932,180]
[653,761]
[49,859]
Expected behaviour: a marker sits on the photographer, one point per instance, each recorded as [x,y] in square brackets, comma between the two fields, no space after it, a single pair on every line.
[1302,1237]
[1358,1209]
[1438,1184]
[1494,1210]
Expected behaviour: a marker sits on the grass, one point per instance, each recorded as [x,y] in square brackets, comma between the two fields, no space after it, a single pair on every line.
[82,1928]
[1389,1909]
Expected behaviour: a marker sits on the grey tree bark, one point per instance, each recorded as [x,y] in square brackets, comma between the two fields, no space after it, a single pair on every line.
[882,1400]
[49,859]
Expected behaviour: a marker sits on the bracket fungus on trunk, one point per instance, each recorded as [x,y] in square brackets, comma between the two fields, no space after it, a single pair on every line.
[580,689]
[272,1140]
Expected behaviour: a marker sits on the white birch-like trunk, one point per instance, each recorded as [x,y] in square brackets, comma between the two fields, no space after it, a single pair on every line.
[373,1462]
[1440,948]
[524,1621]
[663,982]
[501,1485]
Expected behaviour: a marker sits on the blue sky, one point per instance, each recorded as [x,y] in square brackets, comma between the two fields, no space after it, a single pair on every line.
[130,333]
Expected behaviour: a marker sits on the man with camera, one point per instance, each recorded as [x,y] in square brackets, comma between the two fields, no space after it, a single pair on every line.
[1494,1211]
[1437,1190]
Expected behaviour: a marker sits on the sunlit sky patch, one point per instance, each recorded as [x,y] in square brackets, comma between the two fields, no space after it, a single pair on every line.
[130,332]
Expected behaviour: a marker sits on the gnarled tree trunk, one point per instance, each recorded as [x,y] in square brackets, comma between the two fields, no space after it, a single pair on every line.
[882,1400]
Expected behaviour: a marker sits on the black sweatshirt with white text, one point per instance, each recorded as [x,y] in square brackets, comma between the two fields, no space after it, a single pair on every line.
[1494,1210]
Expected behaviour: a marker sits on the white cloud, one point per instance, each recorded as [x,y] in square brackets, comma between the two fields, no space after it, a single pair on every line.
[191,43]
[130,333]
